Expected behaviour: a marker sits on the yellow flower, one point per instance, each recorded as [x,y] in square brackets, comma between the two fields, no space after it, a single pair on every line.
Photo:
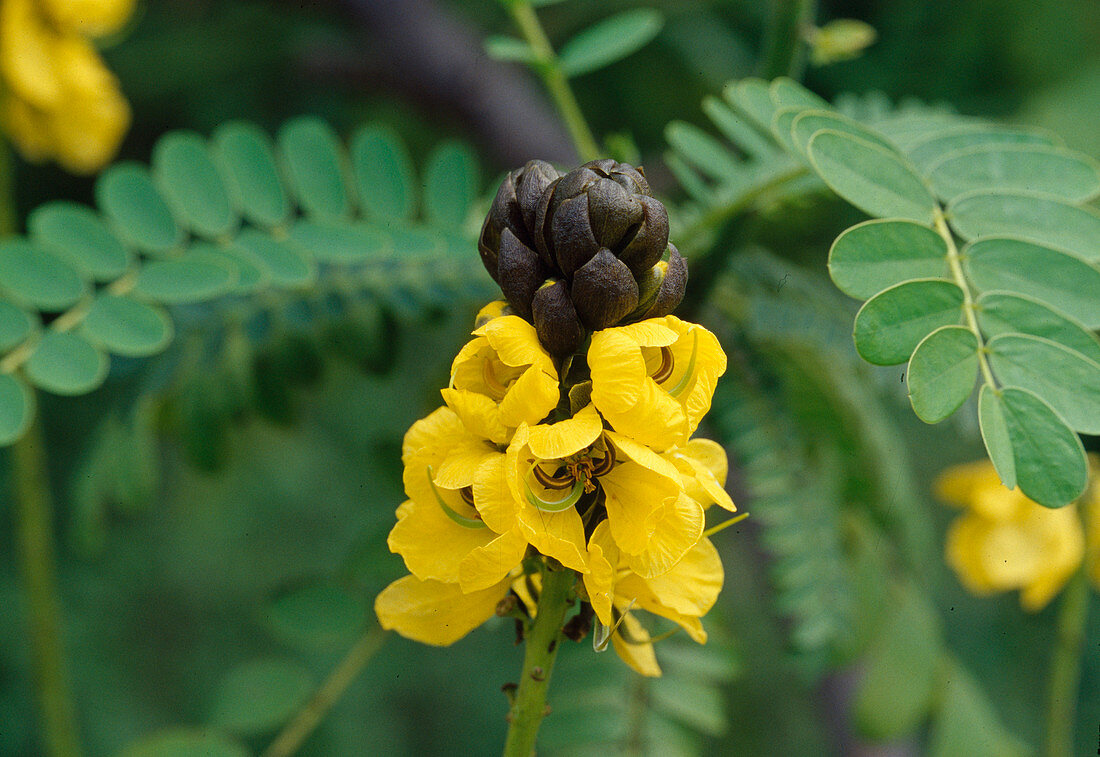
[703,467]
[494,309]
[1005,541]
[60,102]
[653,380]
[433,612]
[683,595]
[439,532]
[501,379]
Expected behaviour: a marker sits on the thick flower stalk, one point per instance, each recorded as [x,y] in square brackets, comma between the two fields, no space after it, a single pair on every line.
[562,471]
[60,102]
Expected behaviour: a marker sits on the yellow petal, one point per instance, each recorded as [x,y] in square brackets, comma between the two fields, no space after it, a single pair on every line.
[638,656]
[478,413]
[690,588]
[495,502]
[618,371]
[486,566]
[516,343]
[439,429]
[711,455]
[962,548]
[459,465]
[698,480]
[643,455]
[27,128]
[435,613]
[87,131]
[557,535]
[678,528]
[555,441]
[957,484]
[531,398]
[603,559]
[494,309]
[28,55]
[634,497]
[432,545]
[710,364]
[90,18]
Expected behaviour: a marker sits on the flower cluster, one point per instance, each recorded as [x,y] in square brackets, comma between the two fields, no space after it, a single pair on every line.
[1005,541]
[581,461]
[60,101]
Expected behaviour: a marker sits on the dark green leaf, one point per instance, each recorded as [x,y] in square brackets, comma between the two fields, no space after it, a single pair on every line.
[873,179]
[257,697]
[998,442]
[877,254]
[127,327]
[1053,171]
[37,278]
[1062,281]
[1041,219]
[66,363]
[314,161]
[609,40]
[181,280]
[942,372]
[126,195]
[1063,378]
[16,408]
[384,175]
[1001,313]
[245,155]
[966,724]
[890,325]
[452,184]
[15,325]
[78,235]
[1047,456]
[192,186]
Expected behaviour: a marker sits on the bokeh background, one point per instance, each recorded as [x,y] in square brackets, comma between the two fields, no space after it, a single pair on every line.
[195,542]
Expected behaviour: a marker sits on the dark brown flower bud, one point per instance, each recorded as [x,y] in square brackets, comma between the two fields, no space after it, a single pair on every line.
[604,291]
[556,323]
[662,288]
[514,208]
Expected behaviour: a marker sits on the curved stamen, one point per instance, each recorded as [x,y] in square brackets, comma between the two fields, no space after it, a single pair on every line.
[491,379]
[461,520]
[604,465]
[555,506]
[664,370]
[467,494]
[682,384]
[551,482]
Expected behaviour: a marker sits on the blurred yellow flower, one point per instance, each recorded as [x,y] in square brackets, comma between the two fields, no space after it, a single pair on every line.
[60,101]
[501,379]
[1005,541]
[653,380]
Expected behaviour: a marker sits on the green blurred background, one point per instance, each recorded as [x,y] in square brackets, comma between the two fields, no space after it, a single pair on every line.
[228,534]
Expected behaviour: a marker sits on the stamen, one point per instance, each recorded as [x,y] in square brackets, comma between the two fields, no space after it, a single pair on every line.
[602,634]
[682,384]
[664,370]
[492,381]
[461,520]
[604,465]
[548,506]
[551,482]
[582,471]
[467,494]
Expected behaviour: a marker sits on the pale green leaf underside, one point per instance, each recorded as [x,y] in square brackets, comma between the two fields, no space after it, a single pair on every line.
[1052,171]
[1041,219]
[1001,313]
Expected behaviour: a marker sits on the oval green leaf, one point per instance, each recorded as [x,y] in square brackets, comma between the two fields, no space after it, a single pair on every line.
[317,615]
[384,176]
[737,129]
[1049,460]
[247,272]
[286,265]
[1041,219]
[1015,265]
[452,183]
[809,122]
[942,372]
[185,742]
[609,40]
[77,234]
[994,428]
[877,254]
[181,280]
[191,184]
[753,98]
[37,278]
[128,198]
[124,326]
[1063,378]
[1003,313]
[247,160]
[499,47]
[66,363]
[870,177]
[314,161]
[258,696]
[787,93]
[930,149]
[890,325]
[16,325]
[701,150]
[1052,171]
[339,243]
[16,408]
[781,125]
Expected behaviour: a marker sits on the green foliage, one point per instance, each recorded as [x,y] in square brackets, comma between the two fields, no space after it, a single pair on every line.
[933,181]
[609,40]
[262,229]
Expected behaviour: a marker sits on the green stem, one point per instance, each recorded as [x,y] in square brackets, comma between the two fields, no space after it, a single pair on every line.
[1065,667]
[784,48]
[955,264]
[290,739]
[37,566]
[543,640]
[549,68]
